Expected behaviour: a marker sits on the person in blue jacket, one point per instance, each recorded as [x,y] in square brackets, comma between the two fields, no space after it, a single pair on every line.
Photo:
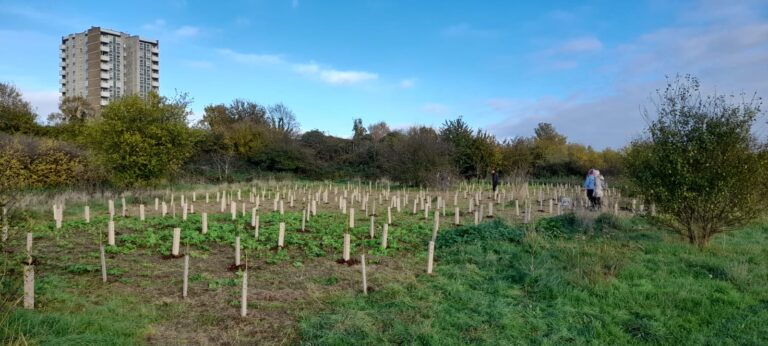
[589,185]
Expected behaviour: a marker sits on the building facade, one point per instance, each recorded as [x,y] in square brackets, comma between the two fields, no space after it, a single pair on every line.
[102,65]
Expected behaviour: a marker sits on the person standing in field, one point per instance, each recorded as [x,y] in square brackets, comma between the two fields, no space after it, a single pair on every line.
[494,180]
[600,187]
[589,185]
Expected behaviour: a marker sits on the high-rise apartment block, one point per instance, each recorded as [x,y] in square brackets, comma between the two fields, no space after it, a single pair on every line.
[102,65]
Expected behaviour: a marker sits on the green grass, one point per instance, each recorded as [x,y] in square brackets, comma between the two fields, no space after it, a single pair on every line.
[628,284]
[566,279]
[66,318]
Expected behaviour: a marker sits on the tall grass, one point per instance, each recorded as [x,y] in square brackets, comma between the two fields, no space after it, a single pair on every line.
[66,318]
[629,284]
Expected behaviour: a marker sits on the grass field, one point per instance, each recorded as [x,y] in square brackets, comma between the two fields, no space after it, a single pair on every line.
[583,278]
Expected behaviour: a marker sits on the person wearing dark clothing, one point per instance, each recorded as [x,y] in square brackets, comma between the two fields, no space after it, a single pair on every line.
[494,179]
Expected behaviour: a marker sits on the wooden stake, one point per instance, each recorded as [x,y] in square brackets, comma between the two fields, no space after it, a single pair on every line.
[87,214]
[176,241]
[29,287]
[103,258]
[365,279]
[281,236]
[185,287]
[237,251]
[456,216]
[111,233]
[141,212]
[256,228]
[346,247]
[436,227]
[204,218]
[29,244]
[244,295]
[384,234]
[430,256]
[373,227]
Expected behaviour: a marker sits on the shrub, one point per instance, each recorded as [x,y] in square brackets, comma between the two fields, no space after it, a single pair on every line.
[700,162]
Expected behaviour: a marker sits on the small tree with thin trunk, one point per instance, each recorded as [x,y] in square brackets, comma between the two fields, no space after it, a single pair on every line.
[699,162]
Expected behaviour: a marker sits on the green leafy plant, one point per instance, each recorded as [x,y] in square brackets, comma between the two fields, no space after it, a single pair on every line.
[700,162]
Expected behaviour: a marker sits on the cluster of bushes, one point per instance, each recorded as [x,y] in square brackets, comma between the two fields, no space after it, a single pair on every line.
[36,163]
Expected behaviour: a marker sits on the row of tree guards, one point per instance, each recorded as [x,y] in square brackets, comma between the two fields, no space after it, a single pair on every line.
[558,198]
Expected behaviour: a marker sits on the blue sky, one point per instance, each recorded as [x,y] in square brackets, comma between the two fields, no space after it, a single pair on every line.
[587,67]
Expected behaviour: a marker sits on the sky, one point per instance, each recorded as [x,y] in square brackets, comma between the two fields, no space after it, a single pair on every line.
[589,67]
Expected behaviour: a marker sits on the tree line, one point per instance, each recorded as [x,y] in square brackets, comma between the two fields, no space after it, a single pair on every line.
[135,142]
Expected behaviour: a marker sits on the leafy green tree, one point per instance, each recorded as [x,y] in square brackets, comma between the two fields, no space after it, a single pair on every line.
[16,114]
[516,157]
[141,141]
[458,133]
[486,155]
[549,151]
[700,162]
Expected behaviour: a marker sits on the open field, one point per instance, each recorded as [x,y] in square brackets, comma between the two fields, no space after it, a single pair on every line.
[523,276]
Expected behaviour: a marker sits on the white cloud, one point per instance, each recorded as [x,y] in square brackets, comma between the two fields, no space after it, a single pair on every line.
[408,83]
[333,76]
[46,17]
[249,58]
[161,28]
[346,77]
[312,69]
[156,25]
[607,122]
[568,54]
[580,45]
[727,55]
[436,108]
[186,31]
